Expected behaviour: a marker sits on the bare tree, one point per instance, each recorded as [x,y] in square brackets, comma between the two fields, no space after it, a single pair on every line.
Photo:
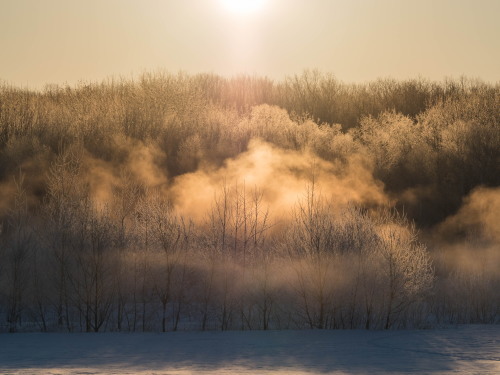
[406,265]
[59,214]
[167,235]
[310,244]
[126,199]
[20,243]
[93,254]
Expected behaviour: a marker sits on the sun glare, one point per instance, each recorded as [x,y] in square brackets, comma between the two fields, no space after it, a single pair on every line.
[243,6]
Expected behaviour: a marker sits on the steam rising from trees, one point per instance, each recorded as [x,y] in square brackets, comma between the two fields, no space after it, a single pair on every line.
[204,202]
[282,175]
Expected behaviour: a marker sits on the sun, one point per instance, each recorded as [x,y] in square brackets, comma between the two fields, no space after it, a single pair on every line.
[243,6]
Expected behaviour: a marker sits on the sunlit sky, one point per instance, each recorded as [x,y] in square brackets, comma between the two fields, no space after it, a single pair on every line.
[66,41]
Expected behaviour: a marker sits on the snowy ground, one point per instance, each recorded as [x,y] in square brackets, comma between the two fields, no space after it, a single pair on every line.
[462,350]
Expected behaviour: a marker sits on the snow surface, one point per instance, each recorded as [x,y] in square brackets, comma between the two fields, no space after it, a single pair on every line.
[458,350]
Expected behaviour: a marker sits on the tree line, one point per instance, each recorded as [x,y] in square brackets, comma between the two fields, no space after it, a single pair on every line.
[96,235]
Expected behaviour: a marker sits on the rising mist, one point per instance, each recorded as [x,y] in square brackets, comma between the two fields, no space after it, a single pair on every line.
[200,202]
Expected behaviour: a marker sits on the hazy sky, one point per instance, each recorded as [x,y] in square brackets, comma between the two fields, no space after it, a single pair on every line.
[64,41]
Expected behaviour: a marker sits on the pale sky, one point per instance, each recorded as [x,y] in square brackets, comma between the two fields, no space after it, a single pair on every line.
[65,41]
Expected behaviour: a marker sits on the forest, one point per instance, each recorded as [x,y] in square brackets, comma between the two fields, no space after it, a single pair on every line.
[201,202]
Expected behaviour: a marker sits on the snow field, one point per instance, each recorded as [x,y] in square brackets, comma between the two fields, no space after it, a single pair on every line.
[463,350]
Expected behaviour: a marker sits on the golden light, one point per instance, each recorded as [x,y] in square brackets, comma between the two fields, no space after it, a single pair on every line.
[243,6]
